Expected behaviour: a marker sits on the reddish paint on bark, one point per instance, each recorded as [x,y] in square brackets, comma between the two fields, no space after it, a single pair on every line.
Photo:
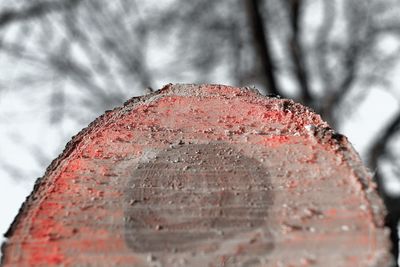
[203,176]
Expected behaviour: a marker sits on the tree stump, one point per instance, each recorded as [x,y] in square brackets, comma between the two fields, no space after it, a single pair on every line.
[203,175]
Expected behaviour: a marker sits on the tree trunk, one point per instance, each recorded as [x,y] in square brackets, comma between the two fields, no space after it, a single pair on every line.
[203,175]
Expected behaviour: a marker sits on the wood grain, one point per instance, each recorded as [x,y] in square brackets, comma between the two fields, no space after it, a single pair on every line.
[203,175]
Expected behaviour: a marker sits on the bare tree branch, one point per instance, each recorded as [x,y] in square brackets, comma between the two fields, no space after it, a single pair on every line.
[321,47]
[296,51]
[262,45]
[380,145]
[129,54]
[97,60]
[360,37]
[334,97]
[35,10]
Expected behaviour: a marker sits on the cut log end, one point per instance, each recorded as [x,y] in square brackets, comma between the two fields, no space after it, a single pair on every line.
[203,175]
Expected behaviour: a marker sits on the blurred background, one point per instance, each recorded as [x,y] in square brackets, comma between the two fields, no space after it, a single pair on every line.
[64,62]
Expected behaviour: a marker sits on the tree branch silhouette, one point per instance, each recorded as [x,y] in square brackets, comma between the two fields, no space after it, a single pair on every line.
[296,52]
[35,10]
[261,42]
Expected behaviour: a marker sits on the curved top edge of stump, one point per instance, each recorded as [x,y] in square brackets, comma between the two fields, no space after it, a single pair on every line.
[304,122]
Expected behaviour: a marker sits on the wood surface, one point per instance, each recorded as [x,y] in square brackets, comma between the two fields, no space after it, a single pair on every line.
[203,175]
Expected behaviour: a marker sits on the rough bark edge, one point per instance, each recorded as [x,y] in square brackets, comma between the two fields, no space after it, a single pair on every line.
[75,141]
[323,134]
